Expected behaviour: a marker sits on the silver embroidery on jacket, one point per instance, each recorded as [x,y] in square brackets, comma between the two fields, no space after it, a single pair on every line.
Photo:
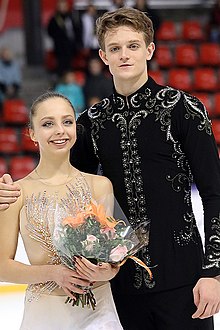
[131,112]
[213,246]
[184,179]
[193,110]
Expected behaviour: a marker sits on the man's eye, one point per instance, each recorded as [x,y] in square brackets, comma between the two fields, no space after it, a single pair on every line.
[114,49]
[134,46]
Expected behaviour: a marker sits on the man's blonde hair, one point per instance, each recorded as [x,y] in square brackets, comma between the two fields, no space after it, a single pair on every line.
[134,18]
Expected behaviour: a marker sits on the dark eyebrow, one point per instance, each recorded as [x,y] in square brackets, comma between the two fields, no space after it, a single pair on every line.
[129,41]
[136,40]
[51,117]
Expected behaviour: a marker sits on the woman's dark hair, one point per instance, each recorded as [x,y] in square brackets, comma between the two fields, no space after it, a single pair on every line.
[44,97]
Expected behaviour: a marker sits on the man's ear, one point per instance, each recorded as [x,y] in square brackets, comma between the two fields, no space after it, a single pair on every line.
[103,57]
[150,50]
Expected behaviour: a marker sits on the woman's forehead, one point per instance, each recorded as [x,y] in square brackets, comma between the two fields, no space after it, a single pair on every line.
[54,106]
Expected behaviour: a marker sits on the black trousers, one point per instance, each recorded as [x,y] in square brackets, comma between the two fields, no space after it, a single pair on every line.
[168,310]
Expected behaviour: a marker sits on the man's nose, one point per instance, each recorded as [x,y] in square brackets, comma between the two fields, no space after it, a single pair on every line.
[124,54]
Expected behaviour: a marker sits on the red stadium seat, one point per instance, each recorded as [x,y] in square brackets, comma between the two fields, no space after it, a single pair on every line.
[158,76]
[15,111]
[8,140]
[50,60]
[207,100]
[164,56]
[217,103]
[180,79]
[167,31]
[186,55]
[209,54]
[216,129]
[3,166]
[192,31]
[80,61]
[80,77]
[20,166]
[26,143]
[205,79]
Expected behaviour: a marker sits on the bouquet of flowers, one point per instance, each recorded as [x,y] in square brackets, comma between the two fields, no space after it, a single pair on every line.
[99,237]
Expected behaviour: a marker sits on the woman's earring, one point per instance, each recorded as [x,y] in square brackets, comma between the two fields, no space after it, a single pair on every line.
[35,143]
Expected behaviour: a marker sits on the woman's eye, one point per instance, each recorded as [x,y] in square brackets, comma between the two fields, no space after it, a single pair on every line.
[68,122]
[48,124]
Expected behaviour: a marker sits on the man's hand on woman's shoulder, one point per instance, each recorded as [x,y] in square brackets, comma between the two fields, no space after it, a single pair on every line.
[9,192]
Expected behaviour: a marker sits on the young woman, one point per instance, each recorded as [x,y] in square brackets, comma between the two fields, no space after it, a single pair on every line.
[53,182]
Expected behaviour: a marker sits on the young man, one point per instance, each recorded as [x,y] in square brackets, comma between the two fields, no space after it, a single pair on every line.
[153,142]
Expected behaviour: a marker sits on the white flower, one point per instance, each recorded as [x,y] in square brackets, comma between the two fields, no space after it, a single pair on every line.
[89,243]
[118,253]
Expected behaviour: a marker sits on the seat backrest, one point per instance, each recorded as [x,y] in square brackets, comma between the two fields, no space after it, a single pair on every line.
[216,129]
[50,61]
[216,102]
[9,140]
[15,111]
[26,143]
[3,166]
[209,54]
[186,55]
[167,31]
[180,79]
[20,166]
[159,76]
[192,30]
[164,56]
[205,79]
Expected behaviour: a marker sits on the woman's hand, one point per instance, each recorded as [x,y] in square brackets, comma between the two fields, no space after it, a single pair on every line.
[68,280]
[94,273]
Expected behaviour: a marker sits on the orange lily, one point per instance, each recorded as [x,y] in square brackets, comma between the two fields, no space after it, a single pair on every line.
[74,221]
[100,214]
[98,211]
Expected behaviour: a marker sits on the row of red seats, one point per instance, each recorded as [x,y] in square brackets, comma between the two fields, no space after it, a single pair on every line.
[187,55]
[197,80]
[15,140]
[79,63]
[166,56]
[190,30]
[17,166]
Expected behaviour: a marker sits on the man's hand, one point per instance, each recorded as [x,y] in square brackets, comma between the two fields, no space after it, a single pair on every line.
[206,297]
[9,192]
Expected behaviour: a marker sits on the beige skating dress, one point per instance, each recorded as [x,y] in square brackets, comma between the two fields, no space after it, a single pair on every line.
[45,307]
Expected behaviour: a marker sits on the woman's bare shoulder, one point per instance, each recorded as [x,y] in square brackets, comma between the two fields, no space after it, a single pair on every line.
[25,181]
[99,184]
[95,178]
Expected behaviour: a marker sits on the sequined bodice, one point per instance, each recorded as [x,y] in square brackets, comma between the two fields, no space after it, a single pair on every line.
[42,208]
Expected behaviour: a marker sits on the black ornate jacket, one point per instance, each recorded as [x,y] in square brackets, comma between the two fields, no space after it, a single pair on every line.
[153,145]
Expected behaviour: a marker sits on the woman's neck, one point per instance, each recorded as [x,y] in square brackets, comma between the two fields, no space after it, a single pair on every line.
[54,172]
